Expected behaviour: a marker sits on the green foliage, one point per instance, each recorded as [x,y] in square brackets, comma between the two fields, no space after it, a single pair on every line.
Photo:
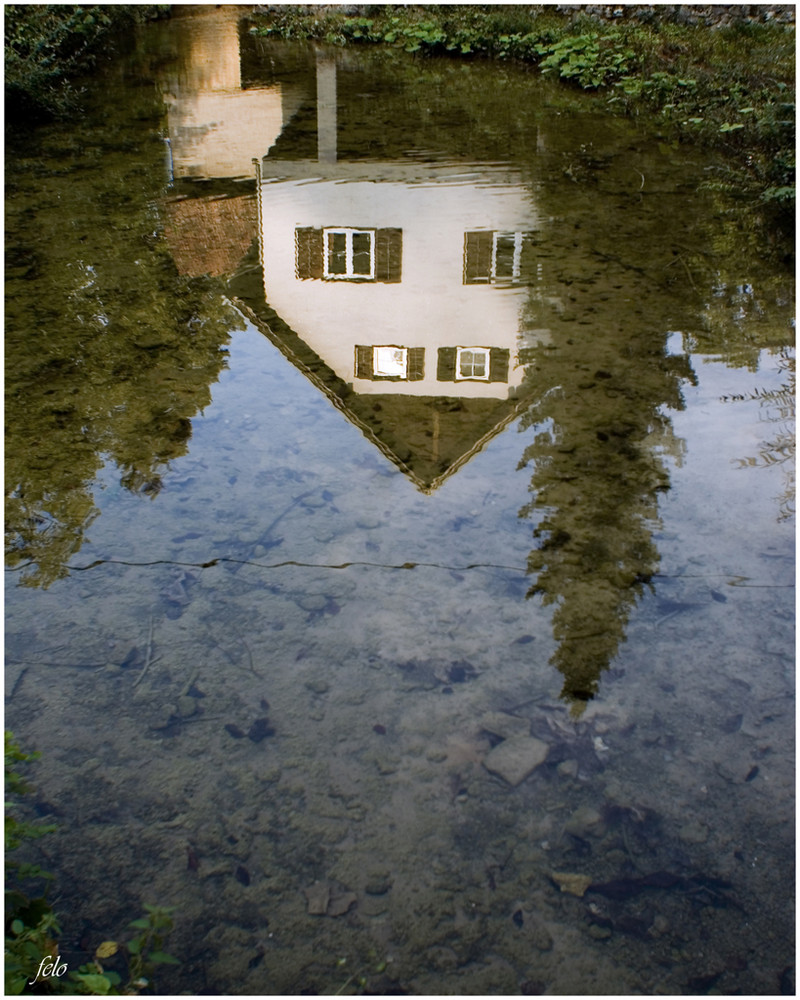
[47,44]
[17,830]
[31,932]
[659,88]
[590,60]
[779,195]
[110,352]
[32,928]
[726,88]
[31,925]
[144,951]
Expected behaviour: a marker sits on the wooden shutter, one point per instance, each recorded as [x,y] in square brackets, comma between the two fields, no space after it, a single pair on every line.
[388,255]
[364,368]
[309,252]
[446,367]
[416,364]
[498,364]
[477,257]
[527,264]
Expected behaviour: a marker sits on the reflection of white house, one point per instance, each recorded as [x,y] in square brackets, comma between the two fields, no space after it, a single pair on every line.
[216,127]
[401,285]
[215,130]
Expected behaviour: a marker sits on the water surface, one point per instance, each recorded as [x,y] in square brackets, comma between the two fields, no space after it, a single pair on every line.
[400,530]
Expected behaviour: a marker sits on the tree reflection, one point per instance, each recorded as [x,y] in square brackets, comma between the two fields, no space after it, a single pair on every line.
[777,413]
[602,384]
[598,466]
[109,351]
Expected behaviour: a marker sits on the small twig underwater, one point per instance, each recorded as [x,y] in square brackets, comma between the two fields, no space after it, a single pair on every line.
[634,862]
[192,678]
[148,657]
[250,655]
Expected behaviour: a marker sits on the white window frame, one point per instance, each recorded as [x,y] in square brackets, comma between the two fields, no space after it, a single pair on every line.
[349,274]
[387,372]
[516,266]
[486,351]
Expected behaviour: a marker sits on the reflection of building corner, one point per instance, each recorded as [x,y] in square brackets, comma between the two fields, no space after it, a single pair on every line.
[326,388]
[356,409]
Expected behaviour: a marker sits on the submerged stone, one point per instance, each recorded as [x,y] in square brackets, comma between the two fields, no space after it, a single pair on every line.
[318,686]
[312,602]
[260,730]
[504,725]
[318,895]
[585,821]
[572,882]
[323,900]
[516,758]
[378,884]
[693,833]
[340,903]
[187,706]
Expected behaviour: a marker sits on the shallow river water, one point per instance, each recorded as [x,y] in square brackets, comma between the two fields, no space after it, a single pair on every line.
[400,526]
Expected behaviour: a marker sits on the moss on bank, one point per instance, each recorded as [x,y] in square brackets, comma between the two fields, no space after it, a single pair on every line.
[730,87]
[48,45]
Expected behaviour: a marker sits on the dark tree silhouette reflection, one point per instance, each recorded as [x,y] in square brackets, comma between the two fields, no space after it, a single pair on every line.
[602,384]
[598,468]
[110,352]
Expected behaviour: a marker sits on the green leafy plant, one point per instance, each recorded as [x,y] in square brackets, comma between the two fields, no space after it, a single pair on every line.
[32,928]
[144,952]
[31,925]
[589,59]
[47,44]
[147,947]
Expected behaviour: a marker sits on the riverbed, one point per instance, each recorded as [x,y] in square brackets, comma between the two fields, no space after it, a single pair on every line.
[400,520]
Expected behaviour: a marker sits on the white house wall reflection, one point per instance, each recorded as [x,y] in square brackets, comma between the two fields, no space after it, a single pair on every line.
[399,284]
[399,308]
[382,268]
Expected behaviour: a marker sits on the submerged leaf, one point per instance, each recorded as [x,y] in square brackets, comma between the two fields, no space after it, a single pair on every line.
[572,882]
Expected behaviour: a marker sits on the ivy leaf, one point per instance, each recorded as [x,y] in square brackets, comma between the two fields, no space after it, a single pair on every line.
[163,958]
[107,949]
[95,983]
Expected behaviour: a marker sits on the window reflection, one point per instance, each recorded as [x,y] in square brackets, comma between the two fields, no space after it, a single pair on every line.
[485,364]
[343,253]
[495,256]
[349,253]
[391,363]
[472,362]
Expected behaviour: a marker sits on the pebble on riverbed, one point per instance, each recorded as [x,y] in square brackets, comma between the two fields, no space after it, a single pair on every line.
[378,884]
[516,758]
[324,899]
[187,706]
[260,730]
